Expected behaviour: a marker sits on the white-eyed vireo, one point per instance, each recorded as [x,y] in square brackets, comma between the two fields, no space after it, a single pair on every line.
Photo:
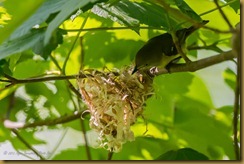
[160,51]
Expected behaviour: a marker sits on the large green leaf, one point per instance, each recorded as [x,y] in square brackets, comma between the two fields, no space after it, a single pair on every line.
[133,14]
[182,154]
[20,11]
[40,16]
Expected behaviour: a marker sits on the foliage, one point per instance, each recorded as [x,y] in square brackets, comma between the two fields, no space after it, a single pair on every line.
[45,44]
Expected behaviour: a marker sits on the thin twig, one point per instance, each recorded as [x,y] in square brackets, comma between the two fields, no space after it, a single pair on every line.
[223,15]
[73,45]
[67,80]
[212,46]
[83,129]
[27,144]
[113,28]
[10,105]
[58,143]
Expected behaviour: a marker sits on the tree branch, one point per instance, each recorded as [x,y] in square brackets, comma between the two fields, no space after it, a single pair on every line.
[60,120]
[41,79]
[196,65]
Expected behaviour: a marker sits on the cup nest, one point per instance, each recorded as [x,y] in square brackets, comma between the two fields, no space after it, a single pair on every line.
[114,99]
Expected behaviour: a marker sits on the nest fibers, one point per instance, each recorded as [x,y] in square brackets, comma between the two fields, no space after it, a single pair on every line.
[114,99]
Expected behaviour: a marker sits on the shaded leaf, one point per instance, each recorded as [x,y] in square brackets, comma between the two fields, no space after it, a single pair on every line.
[143,148]
[23,43]
[182,154]
[230,78]
[194,124]
[45,50]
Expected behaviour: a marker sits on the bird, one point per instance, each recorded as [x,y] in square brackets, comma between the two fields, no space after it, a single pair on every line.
[161,50]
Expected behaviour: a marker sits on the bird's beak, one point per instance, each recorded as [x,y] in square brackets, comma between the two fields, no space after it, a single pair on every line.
[135,70]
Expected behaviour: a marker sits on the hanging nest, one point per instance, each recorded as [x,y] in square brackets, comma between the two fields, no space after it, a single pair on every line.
[114,99]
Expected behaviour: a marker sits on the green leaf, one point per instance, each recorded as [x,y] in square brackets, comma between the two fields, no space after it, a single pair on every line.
[198,86]
[182,154]
[30,68]
[35,40]
[133,14]
[20,14]
[21,44]
[45,50]
[235,5]
[40,16]
[194,124]
[230,78]
[65,11]
[183,6]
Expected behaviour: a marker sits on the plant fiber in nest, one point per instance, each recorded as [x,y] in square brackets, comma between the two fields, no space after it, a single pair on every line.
[114,99]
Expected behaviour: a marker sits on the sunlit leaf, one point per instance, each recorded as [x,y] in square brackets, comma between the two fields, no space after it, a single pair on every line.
[19,15]
[65,11]
[40,16]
